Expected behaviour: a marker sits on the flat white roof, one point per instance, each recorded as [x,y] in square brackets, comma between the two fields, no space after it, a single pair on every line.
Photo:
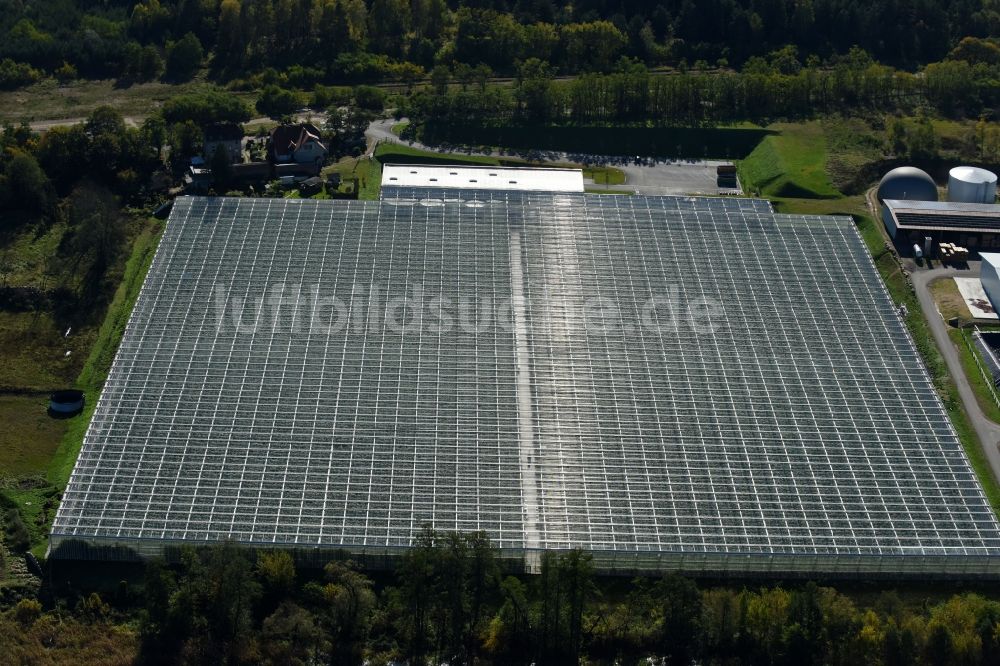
[991,258]
[483,178]
[971,174]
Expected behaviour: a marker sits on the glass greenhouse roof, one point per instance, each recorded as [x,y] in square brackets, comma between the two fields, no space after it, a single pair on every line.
[665,384]
[427,195]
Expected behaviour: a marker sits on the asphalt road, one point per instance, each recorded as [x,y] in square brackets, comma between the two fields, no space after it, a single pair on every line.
[987,430]
[643,176]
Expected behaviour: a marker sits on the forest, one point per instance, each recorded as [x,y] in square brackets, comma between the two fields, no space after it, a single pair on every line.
[776,86]
[453,600]
[347,41]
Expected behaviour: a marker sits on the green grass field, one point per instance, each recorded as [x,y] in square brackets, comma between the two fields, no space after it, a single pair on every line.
[29,437]
[369,174]
[35,349]
[604,175]
[850,206]
[854,149]
[790,163]
[601,190]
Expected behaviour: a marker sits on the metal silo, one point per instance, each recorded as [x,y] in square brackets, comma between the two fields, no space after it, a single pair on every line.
[968,184]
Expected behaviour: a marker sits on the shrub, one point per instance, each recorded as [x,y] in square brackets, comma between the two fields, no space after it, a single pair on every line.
[27,611]
[206,107]
[18,539]
[66,73]
[369,97]
[325,97]
[276,102]
[17,74]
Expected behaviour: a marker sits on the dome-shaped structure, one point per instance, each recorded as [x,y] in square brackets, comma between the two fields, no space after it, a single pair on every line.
[907,184]
[968,184]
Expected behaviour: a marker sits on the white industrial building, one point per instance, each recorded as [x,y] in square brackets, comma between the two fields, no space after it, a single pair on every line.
[989,274]
[523,179]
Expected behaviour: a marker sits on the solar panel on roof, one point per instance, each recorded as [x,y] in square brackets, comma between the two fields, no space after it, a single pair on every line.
[666,386]
[945,215]
[957,221]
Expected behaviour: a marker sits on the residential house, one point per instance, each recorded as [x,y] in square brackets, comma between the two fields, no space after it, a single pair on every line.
[298,144]
[228,135]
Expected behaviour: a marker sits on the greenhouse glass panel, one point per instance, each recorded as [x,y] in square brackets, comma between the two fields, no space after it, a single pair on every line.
[670,383]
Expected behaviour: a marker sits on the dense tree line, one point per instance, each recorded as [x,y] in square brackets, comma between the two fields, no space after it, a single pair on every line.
[775,86]
[453,600]
[361,40]
[81,176]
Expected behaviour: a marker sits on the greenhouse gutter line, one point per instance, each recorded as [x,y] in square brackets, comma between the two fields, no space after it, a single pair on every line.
[529,487]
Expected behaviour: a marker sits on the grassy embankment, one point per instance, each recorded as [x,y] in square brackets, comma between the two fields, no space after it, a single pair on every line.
[792,168]
[972,363]
[790,164]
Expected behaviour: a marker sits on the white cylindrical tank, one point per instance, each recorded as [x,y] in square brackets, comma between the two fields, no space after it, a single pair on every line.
[972,185]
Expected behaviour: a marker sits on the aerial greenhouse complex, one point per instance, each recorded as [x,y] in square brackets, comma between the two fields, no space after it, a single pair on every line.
[699,385]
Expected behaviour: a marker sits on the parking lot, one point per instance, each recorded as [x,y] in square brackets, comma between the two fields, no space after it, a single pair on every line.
[666,177]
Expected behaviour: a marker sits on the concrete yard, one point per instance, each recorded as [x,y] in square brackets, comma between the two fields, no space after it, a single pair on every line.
[673,178]
[975,298]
